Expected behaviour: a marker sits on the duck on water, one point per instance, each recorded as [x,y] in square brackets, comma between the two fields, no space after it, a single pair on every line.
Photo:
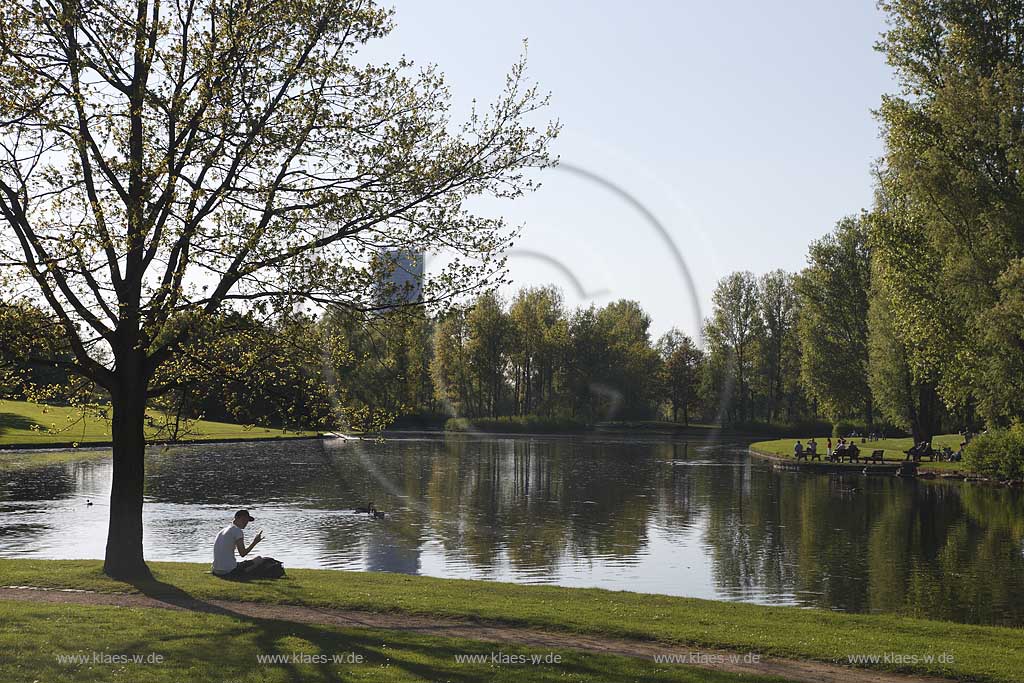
[371,510]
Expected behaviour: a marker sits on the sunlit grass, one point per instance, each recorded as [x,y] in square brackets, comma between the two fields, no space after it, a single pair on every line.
[27,423]
[978,652]
[895,449]
[183,646]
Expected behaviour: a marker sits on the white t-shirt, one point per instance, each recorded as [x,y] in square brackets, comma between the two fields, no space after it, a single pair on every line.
[224,549]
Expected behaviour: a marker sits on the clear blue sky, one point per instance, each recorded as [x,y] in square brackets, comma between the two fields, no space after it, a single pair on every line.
[744,127]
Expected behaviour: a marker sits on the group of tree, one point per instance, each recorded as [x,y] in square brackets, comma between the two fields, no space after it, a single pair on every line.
[753,353]
[912,312]
[535,357]
[163,163]
[947,230]
[936,266]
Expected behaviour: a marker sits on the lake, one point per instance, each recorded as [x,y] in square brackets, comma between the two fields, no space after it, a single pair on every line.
[620,512]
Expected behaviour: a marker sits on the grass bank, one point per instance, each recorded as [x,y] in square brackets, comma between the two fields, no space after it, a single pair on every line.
[984,653]
[32,424]
[895,450]
[46,642]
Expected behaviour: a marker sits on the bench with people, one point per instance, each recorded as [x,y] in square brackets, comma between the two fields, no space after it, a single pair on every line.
[949,455]
[921,450]
[808,452]
[845,450]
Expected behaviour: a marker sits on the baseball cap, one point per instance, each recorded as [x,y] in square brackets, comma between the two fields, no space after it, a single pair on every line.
[244,513]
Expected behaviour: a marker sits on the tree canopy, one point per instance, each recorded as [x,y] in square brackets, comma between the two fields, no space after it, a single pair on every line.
[950,185]
[159,161]
[833,292]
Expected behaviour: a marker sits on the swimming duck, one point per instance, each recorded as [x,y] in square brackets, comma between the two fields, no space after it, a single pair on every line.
[88,502]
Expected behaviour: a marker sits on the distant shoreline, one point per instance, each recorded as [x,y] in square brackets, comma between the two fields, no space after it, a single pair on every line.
[96,445]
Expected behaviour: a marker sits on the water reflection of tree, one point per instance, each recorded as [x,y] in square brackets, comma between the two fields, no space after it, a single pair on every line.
[961,558]
[866,543]
[534,505]
[241,475]
[532,502]
[744,513]
[51,483]
[678,506]
[42,483]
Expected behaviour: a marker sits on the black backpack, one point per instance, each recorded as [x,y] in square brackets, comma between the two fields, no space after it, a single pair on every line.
[268,569]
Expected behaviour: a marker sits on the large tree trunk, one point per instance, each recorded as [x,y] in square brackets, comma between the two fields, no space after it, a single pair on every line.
[924,413]
[927,411]
[124,536]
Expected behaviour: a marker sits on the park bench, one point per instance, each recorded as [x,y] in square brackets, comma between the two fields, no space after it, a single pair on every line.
[917,454]
[876,456]
[851,453]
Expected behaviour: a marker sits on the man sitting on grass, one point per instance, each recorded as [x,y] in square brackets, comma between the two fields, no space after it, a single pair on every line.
[230,539]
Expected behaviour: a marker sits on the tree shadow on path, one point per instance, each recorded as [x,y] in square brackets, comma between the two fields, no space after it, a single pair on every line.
[417,655]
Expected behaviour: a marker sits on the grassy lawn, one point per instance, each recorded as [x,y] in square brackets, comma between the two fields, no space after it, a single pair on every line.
[30,423]
[215,647]
[986,653]
[894,449]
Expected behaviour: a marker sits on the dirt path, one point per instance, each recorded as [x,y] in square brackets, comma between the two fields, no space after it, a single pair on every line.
[790,669]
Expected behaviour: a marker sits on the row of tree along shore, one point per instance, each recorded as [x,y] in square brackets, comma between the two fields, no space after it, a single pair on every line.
[775,362]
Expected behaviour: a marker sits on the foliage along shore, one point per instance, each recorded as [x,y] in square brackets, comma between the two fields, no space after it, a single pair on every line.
[534,424]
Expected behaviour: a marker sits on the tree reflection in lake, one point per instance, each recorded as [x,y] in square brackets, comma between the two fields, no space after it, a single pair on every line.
[623,513]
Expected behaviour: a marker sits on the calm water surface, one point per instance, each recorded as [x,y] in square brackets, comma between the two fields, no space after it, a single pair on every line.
[648,515]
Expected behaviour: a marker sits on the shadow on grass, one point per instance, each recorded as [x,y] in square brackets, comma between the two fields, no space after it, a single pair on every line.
[269,632]
[404,655]
[9,421]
